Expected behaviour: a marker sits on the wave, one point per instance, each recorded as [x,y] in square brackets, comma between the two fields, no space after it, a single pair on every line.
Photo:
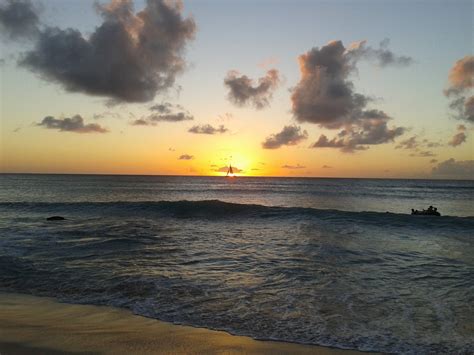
[216,209]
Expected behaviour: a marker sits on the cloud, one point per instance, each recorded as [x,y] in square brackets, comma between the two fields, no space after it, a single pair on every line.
[355,138]
[243,91]
[325,96]
[226,116]
[461,84]
[382,56]
[290,135]
[19,18]
[326,167]
[186,157]
[98,116]
[224,169]
[164,112]
[73,124]
[130,57]
[432,161]
[423,154]
[297,166]
[459,137]
[418,148]
[207,129]
[409,143]
[454,169]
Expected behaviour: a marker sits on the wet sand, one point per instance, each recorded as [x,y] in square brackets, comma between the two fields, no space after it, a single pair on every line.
[38,325]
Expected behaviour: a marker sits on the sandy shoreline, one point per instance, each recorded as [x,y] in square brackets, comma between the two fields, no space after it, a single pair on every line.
[38,325]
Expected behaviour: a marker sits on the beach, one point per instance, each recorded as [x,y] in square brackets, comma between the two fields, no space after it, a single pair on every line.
[41,325]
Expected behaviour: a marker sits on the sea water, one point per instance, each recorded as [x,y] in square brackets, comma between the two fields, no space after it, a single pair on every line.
[316,261]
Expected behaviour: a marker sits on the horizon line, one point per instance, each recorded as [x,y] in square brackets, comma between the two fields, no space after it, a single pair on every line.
[240,176]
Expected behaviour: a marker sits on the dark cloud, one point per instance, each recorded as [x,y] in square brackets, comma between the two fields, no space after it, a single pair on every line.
[128,58]
[459,138]
[243,90]
[297,166]
[73,124]
[453,169]
[224,169]
[325,96]
[207,129]
[326,167]
[186,157]
[355,138]
[290,135]
[461,84]
[19,18]
[164,112]
[432,161]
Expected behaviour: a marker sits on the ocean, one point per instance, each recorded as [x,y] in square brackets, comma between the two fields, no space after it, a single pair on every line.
[332,262]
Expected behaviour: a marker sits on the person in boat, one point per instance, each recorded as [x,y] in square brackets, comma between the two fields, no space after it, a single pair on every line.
[431,211]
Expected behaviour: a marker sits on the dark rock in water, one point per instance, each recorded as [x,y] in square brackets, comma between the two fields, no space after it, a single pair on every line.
[55,218]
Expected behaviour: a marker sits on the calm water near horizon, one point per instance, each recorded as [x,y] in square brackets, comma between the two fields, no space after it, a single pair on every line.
[315,261]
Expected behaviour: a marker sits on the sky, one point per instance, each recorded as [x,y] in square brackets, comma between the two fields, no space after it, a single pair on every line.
[274,87]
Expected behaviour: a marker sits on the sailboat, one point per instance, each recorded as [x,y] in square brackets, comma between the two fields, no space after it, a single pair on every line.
[230,172]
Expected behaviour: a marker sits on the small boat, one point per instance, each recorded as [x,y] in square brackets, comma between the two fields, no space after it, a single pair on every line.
[431,211]
[230,172]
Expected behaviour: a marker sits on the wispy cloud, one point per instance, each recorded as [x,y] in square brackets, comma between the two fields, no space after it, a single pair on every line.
[418,148]
[297,166]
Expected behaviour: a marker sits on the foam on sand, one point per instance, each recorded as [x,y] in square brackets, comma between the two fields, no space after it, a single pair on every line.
[36,325]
